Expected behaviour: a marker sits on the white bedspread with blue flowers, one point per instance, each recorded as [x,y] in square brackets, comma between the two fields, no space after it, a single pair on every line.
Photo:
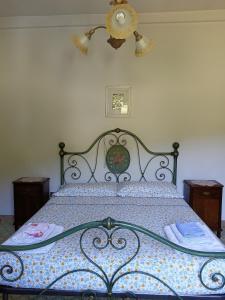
[178,270]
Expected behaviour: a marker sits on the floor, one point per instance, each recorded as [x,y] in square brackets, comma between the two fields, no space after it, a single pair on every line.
[7,228]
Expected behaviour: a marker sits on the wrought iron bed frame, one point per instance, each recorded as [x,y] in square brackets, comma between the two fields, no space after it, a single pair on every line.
[110,228]
[118,172]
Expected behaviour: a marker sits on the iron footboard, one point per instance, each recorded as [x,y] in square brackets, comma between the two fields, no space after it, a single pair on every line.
[109,228]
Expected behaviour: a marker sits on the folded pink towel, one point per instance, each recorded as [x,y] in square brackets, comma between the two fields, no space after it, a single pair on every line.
[36,230]
[33,233]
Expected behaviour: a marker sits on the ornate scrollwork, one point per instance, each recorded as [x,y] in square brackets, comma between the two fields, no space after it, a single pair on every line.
[74,171]
[217,278]
[109,176]
[113,139]
[72,166]
[110,235]
[72,162]
[7,269]
[124,177]
[119,243]
[161,171]
[122,140]
[97,241]
[102,242]
[164,170]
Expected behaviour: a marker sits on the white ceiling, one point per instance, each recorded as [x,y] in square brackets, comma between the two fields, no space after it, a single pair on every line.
[64,7]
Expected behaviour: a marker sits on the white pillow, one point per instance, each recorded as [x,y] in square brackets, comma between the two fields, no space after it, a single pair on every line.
[148,189]
[100,189]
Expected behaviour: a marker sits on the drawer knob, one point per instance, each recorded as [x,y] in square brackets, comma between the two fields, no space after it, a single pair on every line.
[206,193]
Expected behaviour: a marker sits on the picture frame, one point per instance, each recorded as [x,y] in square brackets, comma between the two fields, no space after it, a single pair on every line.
[118,101]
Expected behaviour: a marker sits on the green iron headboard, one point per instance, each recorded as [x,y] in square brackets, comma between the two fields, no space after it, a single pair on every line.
[125,158]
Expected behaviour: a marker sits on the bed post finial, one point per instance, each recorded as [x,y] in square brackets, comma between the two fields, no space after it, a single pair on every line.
[175,147]
[61,146]
[175,154]
[108,223]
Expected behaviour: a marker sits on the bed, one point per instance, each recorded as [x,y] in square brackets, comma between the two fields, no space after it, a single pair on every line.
[113,243]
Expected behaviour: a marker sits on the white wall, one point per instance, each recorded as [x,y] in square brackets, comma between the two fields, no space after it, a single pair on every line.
[49,92]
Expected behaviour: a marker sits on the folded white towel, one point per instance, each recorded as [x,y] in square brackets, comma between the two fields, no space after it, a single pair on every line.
[213,245]
[204,240]
[190,229]
[33,233]
[15,241]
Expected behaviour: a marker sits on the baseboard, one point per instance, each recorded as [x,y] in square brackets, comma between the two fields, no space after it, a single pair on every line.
[6,218]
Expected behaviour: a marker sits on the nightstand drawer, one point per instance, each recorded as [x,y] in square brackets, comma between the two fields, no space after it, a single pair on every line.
[27,190]
[206,193]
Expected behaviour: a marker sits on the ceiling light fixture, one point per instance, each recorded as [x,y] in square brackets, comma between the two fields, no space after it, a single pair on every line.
[121,23]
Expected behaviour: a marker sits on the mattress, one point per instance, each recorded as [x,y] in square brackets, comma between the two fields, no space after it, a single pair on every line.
[180,271]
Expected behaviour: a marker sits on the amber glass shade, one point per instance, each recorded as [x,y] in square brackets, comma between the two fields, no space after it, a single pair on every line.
[121,21]
[81,42]
[143,46]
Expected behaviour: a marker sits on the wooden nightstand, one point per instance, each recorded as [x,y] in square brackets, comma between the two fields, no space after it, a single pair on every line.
[30,194]
[205,198]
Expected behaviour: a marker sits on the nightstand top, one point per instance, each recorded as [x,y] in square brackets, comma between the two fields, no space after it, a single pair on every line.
[203,183]
[31,180]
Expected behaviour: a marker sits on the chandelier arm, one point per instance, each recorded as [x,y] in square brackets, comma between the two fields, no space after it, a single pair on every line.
[92,31]
[138,36]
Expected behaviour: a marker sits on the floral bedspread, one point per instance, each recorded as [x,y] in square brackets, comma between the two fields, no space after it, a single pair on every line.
[178,270]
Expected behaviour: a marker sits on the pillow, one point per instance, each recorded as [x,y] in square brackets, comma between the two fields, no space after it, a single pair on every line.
[148,189]
[100,189]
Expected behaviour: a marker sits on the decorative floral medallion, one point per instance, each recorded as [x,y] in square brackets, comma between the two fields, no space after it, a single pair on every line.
[118,159]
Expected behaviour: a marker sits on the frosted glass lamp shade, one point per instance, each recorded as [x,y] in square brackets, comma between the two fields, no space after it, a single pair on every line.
[82,42]
[121,21]
[143,45]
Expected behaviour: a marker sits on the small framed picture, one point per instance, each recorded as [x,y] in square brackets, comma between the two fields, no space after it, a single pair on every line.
[118,101]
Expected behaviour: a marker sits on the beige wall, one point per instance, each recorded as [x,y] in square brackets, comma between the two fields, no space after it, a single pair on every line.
[49,92]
